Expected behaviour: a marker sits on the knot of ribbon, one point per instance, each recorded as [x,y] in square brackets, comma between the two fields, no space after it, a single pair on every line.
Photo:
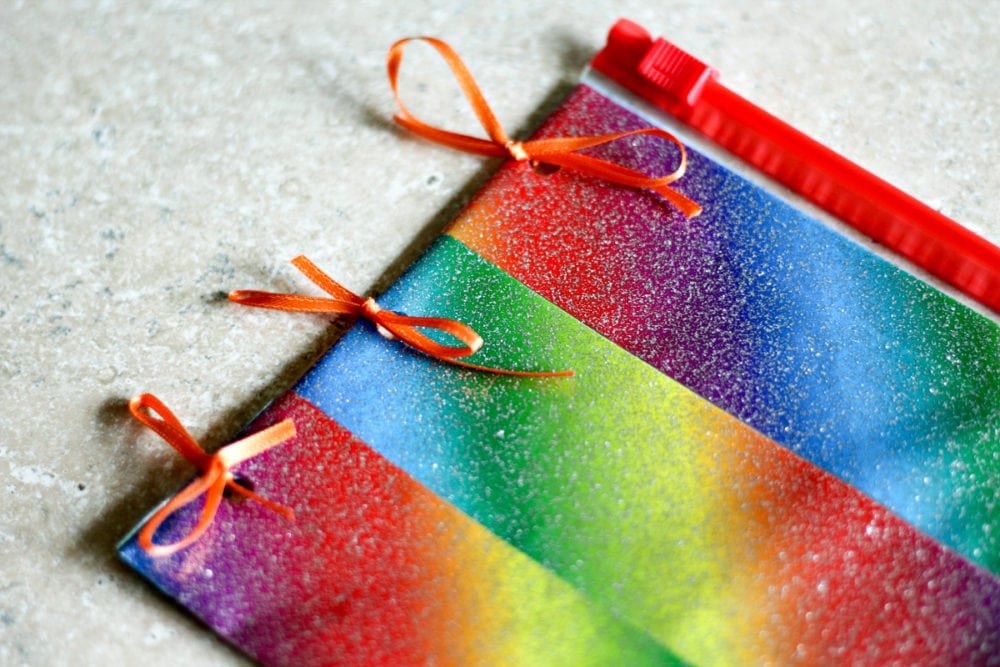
[389,324]
[558,151]
[216,471]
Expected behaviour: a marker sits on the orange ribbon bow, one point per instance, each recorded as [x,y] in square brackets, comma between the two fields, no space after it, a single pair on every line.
[216,476]
[560,151]
[391,325]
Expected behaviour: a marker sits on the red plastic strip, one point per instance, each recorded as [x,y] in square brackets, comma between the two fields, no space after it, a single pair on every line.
[688,89]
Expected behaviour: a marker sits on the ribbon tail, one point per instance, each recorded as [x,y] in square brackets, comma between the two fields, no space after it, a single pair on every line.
[325,282]
[251,446]
[286,512]
[504,371]
[688,207]
[616,173]
[292,302]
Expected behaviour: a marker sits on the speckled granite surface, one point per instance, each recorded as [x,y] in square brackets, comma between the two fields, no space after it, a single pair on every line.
[152,159]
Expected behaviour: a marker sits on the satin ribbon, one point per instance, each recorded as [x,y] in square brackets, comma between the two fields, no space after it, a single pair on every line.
[216,476]
[391,325]
[560,151]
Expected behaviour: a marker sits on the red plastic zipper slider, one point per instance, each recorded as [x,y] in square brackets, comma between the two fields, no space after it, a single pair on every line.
[676,72]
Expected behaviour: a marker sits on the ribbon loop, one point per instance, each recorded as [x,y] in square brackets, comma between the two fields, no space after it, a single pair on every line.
[389,324]
[560,151]
[216,475]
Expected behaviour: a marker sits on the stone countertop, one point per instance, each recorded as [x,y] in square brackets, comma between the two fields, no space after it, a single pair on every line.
[157,155]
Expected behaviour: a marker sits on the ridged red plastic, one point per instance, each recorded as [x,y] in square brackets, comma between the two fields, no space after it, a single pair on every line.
[675,72]
[688,89]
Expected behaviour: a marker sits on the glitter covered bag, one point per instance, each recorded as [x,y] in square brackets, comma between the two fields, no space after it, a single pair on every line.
[776,446]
